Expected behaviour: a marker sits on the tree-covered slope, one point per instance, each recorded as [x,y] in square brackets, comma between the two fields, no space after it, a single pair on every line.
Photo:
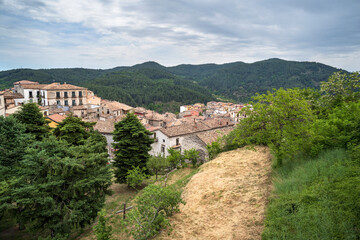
[240,81]
[142,83]
[153,88]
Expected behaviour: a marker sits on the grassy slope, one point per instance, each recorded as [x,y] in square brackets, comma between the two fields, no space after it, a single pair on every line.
[316,199]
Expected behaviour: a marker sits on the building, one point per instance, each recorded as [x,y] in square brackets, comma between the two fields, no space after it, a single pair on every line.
[110,109]
[55,119]
[2,104]
[64,94]
[183,137]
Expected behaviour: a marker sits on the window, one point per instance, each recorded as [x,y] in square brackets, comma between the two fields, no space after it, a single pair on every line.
[80,102]
[108,112]
[65,94]
[57,94]
[58,102]
[73,94]
[177,141]
[80,93]
[38,93]
[162,148]
[30,94]
[66,103]
[163,140]
[73,102]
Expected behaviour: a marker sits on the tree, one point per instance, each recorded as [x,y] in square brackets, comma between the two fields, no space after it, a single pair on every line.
[73,130]
[135,177]
[157,164]
[280,120]
[13,142]
[340,88]
[62,187]
[152,207]
[174,158]
[193,155]
[34,121]
[132,144]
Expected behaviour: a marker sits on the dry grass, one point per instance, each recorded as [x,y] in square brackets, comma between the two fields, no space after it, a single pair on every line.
[226,199]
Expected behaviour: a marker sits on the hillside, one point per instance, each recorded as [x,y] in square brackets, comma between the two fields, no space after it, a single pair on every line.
[226,199]
[134,85]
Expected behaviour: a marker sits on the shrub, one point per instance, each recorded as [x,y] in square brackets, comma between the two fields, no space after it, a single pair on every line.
[135,177]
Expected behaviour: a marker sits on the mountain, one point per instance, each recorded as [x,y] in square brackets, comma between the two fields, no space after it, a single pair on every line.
[153,85]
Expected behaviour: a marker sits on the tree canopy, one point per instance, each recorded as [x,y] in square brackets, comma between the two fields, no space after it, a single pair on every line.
[132,144]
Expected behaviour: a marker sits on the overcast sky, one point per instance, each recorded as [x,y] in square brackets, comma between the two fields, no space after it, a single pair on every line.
[109,33]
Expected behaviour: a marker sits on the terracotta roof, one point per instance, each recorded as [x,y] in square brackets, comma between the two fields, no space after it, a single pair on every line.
[208,137]
[218,122]
[152,128]
[107,126]
[114,105]
[65,86]
[80,107]
[139,110]
[34,86]
[56,117]
[9,94]
[184,129]
[152,115]
[25,82]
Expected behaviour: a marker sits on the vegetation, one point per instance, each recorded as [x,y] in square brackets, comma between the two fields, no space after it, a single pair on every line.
[152,207]
[192,155]
[50,186]
[175,158]
[166,88]
[102,229]
[132,143]
[135,177]
[157,164]
[314,138]
[33,120]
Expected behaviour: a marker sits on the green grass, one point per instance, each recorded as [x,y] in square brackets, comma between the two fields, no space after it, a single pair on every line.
[316,199]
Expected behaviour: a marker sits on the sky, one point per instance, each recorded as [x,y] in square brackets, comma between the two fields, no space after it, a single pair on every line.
[103,34]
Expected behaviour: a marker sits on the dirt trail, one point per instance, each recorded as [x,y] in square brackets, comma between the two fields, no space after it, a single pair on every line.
[226,199]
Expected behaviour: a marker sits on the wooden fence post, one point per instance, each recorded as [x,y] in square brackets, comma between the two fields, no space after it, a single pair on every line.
[124,216]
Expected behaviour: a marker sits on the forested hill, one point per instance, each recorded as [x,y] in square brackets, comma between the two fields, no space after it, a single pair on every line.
[152,84]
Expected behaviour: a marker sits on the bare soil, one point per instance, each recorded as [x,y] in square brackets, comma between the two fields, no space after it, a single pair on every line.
[226,199]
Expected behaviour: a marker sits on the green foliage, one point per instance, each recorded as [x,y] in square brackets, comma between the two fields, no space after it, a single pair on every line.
[132,143]
[33,120]
[135,177]
[73,130]
[316,199]
[156,164]
[61,187]
[213,149]
[101,229]
[152,207]
[280,120]
[192,155]
[340,88]
[174,158]
[340,128]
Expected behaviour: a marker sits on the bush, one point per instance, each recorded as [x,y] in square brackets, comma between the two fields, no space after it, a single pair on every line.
[192,155]
[213,149]
[135,177]
[152,207]
[102,231]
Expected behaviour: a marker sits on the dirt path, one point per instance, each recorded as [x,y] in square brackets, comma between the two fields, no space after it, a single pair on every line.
[226,199]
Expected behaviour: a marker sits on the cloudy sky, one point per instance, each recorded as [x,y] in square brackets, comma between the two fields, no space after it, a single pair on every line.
[109,33]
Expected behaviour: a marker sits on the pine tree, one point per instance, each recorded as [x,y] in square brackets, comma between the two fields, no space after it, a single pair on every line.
[62,187]
[73,130]
[34,121]
[132,143]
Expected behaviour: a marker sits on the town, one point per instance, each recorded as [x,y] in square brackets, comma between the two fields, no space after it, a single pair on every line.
[195,126]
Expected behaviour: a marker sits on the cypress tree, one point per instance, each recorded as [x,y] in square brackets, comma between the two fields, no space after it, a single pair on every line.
[132,143]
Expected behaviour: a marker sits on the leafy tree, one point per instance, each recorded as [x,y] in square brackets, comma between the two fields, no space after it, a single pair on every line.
[73,130]
[213,149]
[132,143]
[192,155]
[174,158]
[62,187]
[135,177]
[34,121]
[340,88]
[102,230]
[152,207]
[157,164]
[280,120]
